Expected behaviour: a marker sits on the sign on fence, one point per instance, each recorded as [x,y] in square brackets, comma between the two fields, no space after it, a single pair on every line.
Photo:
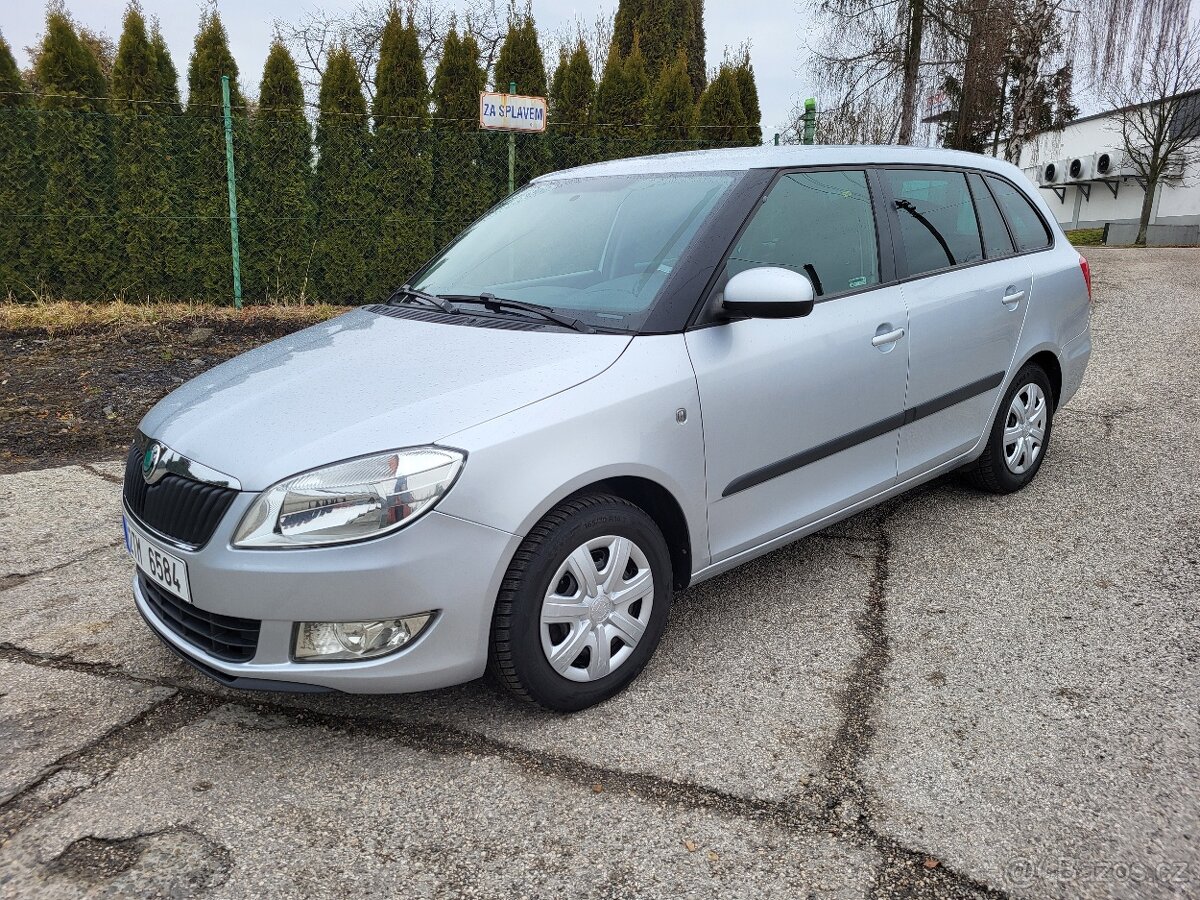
[511,112]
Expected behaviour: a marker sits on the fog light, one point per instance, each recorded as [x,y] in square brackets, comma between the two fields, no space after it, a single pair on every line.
[333,641]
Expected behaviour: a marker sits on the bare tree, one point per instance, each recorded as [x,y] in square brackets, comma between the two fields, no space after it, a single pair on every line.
[876,54]
[1158,114]
[872,119]
[874,51]
[318,31]
[1111,33]
[596,34]
[877,58]
[910,65]
[1051,39]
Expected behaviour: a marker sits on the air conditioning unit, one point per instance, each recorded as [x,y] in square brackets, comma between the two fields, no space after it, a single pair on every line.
[1053,173]
[1110,164]
[1080,169]
[1115,164]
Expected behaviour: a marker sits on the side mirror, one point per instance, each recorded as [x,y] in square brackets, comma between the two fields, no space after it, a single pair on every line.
[769,292]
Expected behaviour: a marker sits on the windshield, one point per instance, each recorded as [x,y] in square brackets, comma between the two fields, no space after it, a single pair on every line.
[599,249]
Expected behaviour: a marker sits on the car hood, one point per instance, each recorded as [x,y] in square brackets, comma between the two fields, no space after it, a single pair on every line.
[362,383]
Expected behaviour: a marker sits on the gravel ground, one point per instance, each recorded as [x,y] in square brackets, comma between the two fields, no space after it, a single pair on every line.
[952,695]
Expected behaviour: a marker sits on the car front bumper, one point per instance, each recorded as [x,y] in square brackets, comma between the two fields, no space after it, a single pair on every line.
[439,563]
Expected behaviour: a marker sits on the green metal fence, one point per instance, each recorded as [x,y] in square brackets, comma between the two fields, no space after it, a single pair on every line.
[148,202]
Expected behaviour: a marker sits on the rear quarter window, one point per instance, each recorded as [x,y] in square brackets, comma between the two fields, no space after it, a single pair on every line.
[996,242]
[1028,229]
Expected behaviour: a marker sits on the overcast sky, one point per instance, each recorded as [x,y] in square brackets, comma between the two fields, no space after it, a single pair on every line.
[774,29]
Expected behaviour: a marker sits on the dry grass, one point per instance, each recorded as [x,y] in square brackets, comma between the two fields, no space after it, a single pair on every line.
[64,317]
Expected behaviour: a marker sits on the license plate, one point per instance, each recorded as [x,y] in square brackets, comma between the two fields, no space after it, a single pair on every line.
[167,571]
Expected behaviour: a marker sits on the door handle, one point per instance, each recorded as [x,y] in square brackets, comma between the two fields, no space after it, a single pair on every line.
[1012,296]
[889,337]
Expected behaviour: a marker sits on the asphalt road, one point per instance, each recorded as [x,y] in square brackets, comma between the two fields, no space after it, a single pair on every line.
[952,695]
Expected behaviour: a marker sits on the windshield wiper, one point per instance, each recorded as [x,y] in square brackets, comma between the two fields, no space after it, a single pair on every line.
[496,304]
[909,208]
[406,292]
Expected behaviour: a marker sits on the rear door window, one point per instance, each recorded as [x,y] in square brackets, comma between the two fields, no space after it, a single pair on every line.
[937,219]
[1028,229]
[996,242]
[818,223]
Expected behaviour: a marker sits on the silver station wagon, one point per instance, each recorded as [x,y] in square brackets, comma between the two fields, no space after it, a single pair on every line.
[622,380]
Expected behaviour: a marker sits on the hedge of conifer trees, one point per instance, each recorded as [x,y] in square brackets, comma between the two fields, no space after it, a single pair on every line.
[110,186]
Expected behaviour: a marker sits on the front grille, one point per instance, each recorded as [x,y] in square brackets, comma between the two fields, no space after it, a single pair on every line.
[225,637]
[179,508]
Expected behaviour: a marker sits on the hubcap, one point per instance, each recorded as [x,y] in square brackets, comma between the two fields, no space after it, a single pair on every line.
[1025,429]
[597,608]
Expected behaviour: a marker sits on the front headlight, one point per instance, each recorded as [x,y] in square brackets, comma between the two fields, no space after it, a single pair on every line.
[349,501]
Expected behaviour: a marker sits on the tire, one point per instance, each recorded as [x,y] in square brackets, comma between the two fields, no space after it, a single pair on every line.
[582,530]
[995,471]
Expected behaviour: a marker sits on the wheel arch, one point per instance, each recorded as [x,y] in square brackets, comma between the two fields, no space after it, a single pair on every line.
[660,505]
[649,494]
[1047,358]
[1045,355]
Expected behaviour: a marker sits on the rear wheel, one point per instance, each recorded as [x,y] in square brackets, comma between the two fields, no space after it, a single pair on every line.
[1020,434]
[583,604]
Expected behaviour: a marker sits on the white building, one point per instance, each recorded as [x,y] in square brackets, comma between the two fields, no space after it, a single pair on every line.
[1069,166]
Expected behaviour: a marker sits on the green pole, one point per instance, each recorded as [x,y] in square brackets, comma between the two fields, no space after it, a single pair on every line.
[232,182]
[512,147]
[810,120]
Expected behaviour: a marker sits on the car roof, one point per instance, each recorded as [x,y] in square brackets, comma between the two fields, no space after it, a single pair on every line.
[738,159]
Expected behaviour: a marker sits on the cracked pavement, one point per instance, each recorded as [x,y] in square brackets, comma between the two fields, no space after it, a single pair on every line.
[951,695]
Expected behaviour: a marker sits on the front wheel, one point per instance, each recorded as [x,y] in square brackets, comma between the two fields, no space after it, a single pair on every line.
[583,604]
[1020,434]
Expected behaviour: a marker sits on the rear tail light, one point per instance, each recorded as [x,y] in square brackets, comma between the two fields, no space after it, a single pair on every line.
[1087,276]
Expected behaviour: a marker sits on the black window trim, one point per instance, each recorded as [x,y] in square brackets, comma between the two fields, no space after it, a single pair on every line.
[677,307]
[745,196]
[926,167]
[1012,234]
[887,237]
[979,221]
